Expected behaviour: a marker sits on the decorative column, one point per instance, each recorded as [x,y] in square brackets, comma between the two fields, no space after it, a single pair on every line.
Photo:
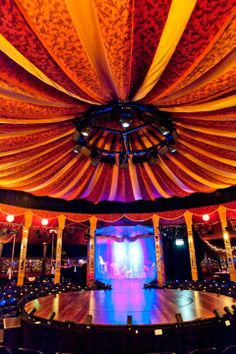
[159,251]
[23,248]
[91,250]
[228,248]
[61,225]
[44,258]
[188,219]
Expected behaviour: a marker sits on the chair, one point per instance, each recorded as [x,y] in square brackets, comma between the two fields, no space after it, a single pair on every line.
[231,349]
[162,353]
[210,350]
[4,350]
[28,351]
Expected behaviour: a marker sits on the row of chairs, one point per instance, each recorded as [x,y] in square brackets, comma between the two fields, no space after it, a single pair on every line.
[212,350]
[215,286]
[12,296]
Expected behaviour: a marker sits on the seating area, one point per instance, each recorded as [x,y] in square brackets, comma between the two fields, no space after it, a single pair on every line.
[210,350]
[13,299]
[223,287]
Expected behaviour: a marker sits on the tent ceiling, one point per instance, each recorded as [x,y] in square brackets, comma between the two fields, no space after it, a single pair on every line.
[58,58]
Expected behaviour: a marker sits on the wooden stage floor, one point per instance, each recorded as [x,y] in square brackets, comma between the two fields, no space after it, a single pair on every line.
[146,306]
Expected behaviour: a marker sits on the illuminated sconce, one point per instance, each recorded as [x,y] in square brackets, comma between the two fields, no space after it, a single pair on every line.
[206,217]
[10,218]
[44,222]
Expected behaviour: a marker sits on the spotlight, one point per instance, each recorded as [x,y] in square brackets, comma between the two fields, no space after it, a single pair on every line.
[77,149]
[228,311]
[51,317]
[86,131]
[126,117]
[170,142]
[129,320]
[89,320]
[76,135]
[217,314]
[124,161]
[172,147]
[95,157]
[84,126]
[152,157]
[164,130]
[163,150]
[179,318]
[32,312]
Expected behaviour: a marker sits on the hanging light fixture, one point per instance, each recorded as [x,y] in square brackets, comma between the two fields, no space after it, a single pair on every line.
[119,122]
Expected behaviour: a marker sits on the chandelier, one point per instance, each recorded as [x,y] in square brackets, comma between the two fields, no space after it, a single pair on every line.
[124,132]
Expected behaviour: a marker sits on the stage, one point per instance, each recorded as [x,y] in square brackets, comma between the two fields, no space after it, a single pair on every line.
[127,297]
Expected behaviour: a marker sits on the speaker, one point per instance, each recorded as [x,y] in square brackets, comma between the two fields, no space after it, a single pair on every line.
[129,320]
[89,320]
[179,318]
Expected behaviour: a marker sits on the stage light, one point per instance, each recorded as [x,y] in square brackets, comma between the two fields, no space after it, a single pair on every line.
[228,311]
[95,157]
[126,117]
[10,218]
[163,150]
[172,148]
[179,318]
[129,320]
[76,135]
[152,157]
[44,222]
[77,149]
[164,130]
[51,317]
[206,217]
[179,242]
[89,320]
[217,314]
[86,131]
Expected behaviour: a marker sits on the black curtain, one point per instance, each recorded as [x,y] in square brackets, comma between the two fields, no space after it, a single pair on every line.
[177,262]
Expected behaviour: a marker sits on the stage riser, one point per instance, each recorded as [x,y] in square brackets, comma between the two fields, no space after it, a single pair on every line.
[116,340]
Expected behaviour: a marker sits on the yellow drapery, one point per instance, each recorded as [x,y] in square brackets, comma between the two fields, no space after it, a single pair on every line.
[178,17]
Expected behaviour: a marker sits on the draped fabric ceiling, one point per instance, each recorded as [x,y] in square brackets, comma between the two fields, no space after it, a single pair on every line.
[59,57]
